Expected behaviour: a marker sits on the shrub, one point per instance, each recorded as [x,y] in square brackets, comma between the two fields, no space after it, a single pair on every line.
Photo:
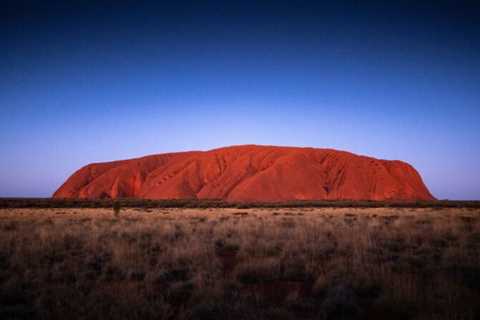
[116,208]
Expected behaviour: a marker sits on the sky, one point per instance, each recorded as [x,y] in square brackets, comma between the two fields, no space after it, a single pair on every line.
[91,81]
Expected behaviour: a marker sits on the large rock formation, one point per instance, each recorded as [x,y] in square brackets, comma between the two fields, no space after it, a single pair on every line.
[249,173]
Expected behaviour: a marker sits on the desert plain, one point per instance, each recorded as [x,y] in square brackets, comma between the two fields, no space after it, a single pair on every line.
[240,263]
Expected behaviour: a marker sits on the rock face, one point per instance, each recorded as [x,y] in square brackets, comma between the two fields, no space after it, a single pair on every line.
[249,173]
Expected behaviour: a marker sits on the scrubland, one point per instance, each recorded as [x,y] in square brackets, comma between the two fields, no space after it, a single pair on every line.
[232,263]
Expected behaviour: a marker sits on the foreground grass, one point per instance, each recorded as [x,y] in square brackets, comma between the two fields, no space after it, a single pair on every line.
[230,263]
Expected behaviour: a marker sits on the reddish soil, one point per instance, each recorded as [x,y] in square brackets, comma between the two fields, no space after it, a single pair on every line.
[249,173]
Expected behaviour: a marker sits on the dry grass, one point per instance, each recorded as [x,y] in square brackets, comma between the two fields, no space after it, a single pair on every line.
[230,263]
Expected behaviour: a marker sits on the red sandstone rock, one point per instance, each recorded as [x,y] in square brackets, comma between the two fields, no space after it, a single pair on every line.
[249,173]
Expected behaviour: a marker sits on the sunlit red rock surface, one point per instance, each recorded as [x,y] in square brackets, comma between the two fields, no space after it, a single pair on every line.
[249,173]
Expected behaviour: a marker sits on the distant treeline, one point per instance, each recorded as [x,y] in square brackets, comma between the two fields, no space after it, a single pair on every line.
[213,203]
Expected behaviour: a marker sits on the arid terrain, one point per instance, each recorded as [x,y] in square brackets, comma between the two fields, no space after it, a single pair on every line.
[234,263]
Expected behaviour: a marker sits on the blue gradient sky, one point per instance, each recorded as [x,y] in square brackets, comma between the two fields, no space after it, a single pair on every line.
[93,81]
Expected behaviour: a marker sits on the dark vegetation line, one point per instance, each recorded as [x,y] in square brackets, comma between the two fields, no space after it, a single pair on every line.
[194,203]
